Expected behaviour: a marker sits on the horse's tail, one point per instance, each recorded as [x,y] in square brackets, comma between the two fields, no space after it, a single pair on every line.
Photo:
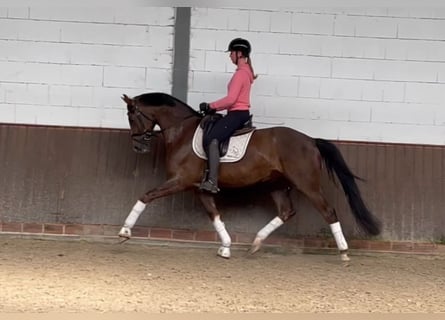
[335,163]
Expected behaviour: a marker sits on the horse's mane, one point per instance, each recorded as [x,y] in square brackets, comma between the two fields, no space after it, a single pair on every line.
[157,99]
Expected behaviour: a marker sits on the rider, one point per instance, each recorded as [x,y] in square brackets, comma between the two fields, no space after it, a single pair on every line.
[237,104]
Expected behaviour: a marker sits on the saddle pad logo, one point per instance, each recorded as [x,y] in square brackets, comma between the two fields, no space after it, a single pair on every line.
[235,151]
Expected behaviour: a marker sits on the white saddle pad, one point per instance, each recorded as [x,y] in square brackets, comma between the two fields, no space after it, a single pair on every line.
[235,151]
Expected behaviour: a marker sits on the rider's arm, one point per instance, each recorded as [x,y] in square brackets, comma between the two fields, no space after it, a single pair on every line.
[235,87]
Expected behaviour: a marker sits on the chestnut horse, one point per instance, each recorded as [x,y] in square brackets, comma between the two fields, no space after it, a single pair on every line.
[282,156]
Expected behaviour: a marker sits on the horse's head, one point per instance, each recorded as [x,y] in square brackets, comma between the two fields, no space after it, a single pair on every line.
[141,126]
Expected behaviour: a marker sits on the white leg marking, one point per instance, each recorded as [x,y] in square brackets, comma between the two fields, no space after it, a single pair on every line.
[264,233]
[222,232]
[138,208]
[269,228]
[134,214]
[339,237]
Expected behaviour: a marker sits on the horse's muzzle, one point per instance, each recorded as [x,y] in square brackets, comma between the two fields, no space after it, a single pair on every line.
[142,143]
[141,148]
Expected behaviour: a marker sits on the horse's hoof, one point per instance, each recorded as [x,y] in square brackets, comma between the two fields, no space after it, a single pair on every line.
[344,257]
[256,245]
[224,252]
[125,233]
[254,249]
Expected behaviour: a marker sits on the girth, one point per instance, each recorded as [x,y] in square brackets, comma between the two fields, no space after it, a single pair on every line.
[209,121]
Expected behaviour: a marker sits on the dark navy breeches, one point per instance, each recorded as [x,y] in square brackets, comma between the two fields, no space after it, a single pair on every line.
[226,126]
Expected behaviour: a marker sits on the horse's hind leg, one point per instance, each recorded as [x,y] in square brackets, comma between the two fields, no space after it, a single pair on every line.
[330,216]
[209,203]
[285,212]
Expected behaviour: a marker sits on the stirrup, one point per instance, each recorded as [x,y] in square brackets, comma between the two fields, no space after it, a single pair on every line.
[209,186]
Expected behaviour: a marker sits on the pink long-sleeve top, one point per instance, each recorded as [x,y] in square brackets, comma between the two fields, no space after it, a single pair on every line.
[238,91]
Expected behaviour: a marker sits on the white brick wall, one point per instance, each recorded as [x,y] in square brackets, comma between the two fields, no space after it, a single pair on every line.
[70,65]
[349,73]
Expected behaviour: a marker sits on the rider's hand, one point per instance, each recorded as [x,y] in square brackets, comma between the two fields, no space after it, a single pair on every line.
[204,108]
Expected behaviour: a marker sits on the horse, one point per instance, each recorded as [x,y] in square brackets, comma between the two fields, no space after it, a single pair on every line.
[280,156]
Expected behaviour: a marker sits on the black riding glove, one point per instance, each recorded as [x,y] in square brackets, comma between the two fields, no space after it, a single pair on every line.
[205,109]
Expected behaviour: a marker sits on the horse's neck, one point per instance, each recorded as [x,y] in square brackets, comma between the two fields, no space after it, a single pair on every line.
[178,126]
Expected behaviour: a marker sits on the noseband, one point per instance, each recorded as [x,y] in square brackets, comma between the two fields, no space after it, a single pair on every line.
[146,136]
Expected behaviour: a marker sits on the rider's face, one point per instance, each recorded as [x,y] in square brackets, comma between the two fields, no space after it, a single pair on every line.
[234,55]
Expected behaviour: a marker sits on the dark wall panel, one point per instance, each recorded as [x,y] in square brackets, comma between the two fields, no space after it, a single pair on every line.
[92,176]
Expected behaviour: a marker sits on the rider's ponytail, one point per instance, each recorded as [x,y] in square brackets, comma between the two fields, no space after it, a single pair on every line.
[249,62]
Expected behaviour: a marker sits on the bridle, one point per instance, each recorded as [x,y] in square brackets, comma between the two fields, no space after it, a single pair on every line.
[146,136]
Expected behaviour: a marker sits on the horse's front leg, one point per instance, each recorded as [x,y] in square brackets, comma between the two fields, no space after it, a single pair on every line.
[209,203]
[285,212]
[167,188]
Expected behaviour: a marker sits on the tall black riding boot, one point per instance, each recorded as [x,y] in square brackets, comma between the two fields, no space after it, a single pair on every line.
[211,184]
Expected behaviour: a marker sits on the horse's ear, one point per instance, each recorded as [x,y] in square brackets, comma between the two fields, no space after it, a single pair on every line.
[127,100]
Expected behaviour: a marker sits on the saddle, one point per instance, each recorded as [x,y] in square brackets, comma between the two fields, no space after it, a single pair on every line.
[209,121]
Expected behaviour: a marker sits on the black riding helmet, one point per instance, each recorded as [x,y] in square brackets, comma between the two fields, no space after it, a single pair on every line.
[241,45]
